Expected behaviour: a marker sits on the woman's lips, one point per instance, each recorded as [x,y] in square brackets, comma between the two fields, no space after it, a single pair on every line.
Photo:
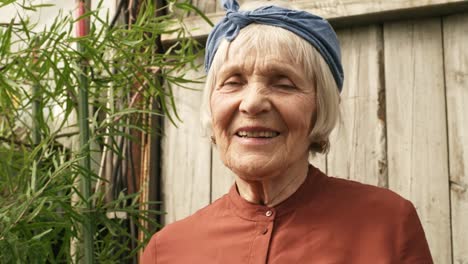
[255,136]
[256,132]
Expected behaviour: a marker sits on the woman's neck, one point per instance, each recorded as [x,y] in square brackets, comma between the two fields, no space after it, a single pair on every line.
[271,190]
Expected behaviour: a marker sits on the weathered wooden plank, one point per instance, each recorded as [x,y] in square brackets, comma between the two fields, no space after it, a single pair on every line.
[358,150]
[186,156]
[456,78]
[416,125]
[207,6]
[332,9]
[46,15]
[222,178]
[319,161]
[347,12]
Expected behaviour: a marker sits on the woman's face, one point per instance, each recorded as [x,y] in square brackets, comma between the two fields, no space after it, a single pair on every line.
[263,109]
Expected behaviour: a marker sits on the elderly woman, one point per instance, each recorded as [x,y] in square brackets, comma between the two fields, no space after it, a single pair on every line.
[272,91]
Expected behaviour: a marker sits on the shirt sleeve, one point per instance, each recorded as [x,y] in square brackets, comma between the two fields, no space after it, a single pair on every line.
[413,246]
[149,254]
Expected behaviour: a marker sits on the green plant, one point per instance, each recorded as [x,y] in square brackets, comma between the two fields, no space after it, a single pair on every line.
[122,70]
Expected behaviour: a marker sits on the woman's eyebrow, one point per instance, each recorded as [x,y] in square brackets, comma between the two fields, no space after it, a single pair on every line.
[284,69]
[227,69]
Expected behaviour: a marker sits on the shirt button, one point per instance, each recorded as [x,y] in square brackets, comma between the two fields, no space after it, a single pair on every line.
[264,231]
[269,213]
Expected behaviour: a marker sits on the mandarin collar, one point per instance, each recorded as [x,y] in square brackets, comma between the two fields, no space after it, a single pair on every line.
[262,213]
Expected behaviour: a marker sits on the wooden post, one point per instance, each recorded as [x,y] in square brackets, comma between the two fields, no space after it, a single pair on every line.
[83,115]
[36,105]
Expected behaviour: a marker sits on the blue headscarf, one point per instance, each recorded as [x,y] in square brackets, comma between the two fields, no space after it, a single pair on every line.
[314,29]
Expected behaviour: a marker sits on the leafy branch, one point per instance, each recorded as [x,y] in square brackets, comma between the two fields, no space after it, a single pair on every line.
[126,68]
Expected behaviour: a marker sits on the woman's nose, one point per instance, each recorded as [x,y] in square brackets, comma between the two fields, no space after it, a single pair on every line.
[255,100]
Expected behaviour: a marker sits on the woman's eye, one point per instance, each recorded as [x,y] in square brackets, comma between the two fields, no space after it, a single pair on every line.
[232,82]
[285,86]
[284,83]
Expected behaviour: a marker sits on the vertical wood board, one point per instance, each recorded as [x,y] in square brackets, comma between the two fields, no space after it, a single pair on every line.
[222,178]
[207,6]
[456,76]
[358,146]
[185,156]
[416,134]
[319,161]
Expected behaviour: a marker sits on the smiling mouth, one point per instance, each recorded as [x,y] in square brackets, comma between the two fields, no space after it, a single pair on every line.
[257,134]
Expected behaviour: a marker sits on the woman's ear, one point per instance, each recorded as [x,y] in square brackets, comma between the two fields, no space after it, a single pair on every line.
[320,147]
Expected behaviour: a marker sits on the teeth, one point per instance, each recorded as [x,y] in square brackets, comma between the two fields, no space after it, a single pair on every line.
[257,134]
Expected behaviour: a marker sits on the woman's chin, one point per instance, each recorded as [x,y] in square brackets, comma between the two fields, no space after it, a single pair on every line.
[254,168]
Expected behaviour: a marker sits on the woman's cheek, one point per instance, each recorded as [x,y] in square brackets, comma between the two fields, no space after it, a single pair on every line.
[222,113]
[299,119]
[223,108]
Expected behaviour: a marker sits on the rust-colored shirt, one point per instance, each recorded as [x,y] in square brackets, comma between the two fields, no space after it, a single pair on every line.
[327,220]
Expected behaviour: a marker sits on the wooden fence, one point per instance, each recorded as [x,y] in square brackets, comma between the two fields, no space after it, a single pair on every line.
[405,116]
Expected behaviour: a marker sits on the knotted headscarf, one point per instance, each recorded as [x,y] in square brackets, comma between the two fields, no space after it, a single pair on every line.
[314,29]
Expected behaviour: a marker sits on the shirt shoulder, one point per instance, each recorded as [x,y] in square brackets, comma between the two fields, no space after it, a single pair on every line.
[355,194]
[200,218]
[185,232]
[351,205]
[368,208]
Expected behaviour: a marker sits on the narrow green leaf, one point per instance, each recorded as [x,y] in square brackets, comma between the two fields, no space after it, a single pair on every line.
[190,7]
[6,2]
[39,236]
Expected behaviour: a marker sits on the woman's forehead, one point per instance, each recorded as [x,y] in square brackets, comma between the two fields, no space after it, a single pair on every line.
[261,59]
[258,64]
[262,47]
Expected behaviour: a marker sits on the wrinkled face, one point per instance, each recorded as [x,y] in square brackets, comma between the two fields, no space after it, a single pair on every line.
[263,109]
